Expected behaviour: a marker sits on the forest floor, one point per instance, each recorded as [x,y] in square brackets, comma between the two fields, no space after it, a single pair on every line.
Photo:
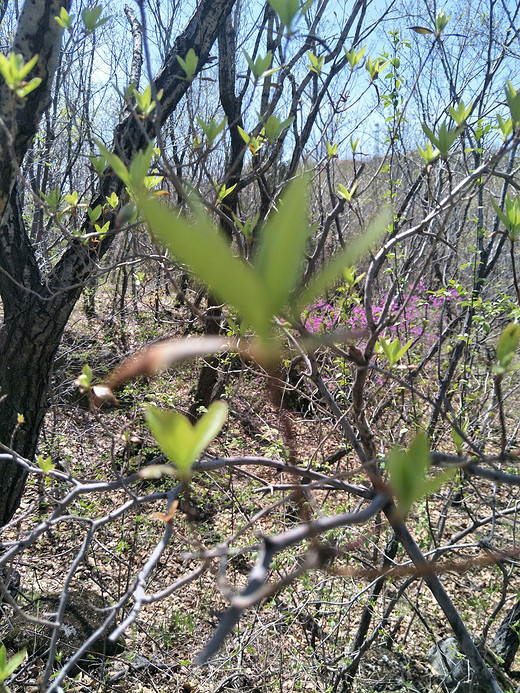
[299,638]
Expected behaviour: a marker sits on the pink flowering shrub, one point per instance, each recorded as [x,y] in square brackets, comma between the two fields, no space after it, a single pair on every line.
[321,316]
[424,316]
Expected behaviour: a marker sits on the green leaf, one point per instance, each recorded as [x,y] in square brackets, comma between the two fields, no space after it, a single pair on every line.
[94,214]
[212,129]
[45,464]
[286,10]
[144,101]
[407,470]
[3,663]
[460,113]
[316,62]
[354,57]
[429,134]
[91,20]
[21,69]
[138,171]
[14,70]
[503,218]
[151,181]
[189,64]
[224,191]
[429,154]
[350,276]
[347,194]
[98,163]
[243,134]
[102,230]
[27,87]
[248,226]
[445,138]
[135,176]
[511,217]
[72,198]
[458,440]
[65,19]
[393,351]
[182,442]
[53,199]
[508,344]
[374,67]
[332,150]
[113,200]
[260,66]
[441,20]
[115,162]
[506,126]
[274,128]
[513,101]
[402,351]
[8,666]
[85,379]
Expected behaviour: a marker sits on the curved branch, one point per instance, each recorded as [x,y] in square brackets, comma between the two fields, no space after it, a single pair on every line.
[254,591]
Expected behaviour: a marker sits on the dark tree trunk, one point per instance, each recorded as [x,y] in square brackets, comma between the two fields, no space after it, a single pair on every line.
[207,382]
[28,344]
[34,319]
[506,642]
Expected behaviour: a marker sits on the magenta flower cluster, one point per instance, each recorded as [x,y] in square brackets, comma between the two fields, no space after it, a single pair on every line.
[320,317]
[424,314]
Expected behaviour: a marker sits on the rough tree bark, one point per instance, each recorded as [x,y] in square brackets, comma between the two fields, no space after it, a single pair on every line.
[36,307]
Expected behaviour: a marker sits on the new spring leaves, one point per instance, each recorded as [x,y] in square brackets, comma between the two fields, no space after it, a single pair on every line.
[408,473]
[14,71]
[182,442]
[268,286]
[506,349]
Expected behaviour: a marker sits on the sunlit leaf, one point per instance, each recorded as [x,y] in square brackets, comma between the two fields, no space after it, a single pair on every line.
[508,344]
[407,470]
[513,101]
[354,57]
[460,112]
[189,64]
[45,463]
[182,442]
